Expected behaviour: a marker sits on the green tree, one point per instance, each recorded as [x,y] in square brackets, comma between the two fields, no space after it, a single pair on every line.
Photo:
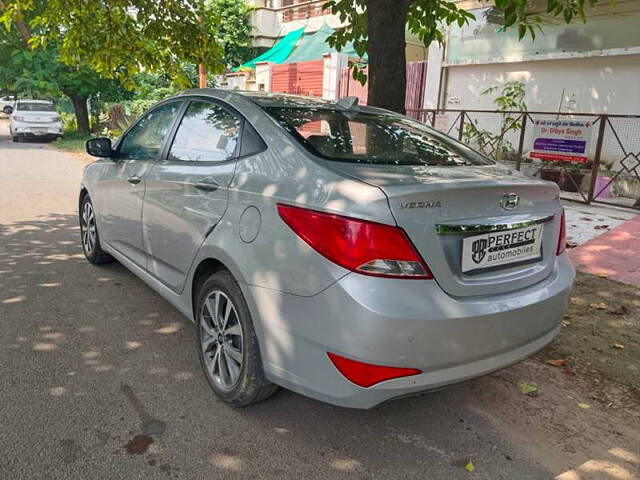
[511,98]
[121,38]
[377,27]
[39,73]
[233,31]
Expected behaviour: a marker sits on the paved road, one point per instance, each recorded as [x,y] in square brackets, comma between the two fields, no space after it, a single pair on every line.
[91,360]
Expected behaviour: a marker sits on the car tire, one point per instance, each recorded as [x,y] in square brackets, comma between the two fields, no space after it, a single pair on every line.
[89,234]
[227,343]
[8,110]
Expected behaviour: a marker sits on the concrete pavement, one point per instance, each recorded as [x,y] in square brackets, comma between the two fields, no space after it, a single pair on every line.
[614,254]
[100,377]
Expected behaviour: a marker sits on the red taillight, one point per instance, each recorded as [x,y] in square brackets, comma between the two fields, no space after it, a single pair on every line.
[562,238]
[364,247]
[366,375]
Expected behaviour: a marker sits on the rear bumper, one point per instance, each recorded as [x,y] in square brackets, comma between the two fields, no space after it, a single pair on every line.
[36,130]
[402,323]
[37,135]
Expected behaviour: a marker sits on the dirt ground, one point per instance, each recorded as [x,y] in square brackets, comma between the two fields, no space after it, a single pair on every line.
[584,418]
[602,333]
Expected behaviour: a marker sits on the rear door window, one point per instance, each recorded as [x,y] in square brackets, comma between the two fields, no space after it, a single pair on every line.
[35,107]
[373,138]
[207,133]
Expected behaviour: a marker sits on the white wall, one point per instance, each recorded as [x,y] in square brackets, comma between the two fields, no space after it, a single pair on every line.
[236,82]
[263,76]
[332,66]
[434,66]
[599,84]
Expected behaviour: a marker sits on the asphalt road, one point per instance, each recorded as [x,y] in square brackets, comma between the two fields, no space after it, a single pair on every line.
[100,377]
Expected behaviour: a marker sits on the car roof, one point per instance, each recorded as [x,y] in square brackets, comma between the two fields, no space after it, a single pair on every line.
[276,99]
[28,100]
[269,99]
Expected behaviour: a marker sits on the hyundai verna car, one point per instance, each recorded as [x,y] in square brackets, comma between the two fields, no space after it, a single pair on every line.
[344,252]
[35,119]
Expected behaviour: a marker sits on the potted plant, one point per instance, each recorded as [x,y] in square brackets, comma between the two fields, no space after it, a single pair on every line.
[571,177]
[550,173]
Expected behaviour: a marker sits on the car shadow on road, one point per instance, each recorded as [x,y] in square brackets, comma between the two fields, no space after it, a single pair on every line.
[8,144]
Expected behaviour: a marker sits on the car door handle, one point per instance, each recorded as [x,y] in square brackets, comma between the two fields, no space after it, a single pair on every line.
[134,180]
[206,186]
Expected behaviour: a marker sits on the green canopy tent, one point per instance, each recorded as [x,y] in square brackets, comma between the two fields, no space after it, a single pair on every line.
[314,46]
[297,47]
[278,53]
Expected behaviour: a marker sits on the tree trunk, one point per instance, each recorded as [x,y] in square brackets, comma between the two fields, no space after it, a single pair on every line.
[386,44]
[202,76]
[82,114]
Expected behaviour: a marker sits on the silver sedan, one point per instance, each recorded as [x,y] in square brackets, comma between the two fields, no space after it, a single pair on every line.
[344,252]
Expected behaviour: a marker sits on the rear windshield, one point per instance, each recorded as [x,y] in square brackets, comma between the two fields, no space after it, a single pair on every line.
[372,138]
[35,107]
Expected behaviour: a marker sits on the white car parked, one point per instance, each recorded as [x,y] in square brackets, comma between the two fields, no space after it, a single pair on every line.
[35,119]
[6,104]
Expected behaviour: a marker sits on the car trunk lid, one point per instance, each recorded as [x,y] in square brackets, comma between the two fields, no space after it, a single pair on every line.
[38,117]
[440,207]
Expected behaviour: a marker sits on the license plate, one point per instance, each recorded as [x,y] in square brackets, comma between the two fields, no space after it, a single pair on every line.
[38,130]
[501,248]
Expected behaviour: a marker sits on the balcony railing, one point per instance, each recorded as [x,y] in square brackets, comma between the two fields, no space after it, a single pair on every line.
[302,11]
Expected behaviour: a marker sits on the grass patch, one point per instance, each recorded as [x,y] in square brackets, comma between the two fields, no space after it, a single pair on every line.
[73,141]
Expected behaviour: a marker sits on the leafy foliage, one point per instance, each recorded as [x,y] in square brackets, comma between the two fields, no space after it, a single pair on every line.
[511,98]
[520,15]
[429,19]
[39,72]
[233,31]
[120,38]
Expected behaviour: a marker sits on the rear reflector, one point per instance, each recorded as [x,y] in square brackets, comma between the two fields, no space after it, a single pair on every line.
[562,238]
[366,375]
[358,245]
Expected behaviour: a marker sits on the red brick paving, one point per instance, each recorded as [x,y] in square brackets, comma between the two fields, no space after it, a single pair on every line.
[615,253]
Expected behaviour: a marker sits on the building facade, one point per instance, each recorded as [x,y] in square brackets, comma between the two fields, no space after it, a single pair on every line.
[273,19]
[587,67]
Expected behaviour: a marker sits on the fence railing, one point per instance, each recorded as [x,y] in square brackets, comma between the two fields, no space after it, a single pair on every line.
[611,174]
[303,10]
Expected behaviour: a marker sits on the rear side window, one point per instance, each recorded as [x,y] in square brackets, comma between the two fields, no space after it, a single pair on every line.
[252,143]
[372,138]
[35,107]
[207,133]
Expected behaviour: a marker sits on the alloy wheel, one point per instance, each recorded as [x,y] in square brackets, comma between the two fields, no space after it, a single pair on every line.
[88,228]
[221,339]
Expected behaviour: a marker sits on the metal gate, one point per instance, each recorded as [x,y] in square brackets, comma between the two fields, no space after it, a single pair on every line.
[416,82]
[612,175]
[302,78]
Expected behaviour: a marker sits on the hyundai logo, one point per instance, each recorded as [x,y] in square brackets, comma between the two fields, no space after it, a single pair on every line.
[510,201]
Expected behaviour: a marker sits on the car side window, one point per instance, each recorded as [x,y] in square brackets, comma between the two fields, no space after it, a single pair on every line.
[207,133]
[145,139]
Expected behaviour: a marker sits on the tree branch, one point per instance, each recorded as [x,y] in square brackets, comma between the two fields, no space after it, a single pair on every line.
[20,25]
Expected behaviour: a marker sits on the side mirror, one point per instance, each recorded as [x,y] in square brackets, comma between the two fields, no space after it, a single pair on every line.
[99,147]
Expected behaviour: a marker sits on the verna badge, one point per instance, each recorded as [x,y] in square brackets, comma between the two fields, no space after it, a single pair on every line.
[510,201]
[424,204]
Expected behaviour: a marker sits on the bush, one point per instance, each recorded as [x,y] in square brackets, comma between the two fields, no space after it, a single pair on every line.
[69,123]
[135,108]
